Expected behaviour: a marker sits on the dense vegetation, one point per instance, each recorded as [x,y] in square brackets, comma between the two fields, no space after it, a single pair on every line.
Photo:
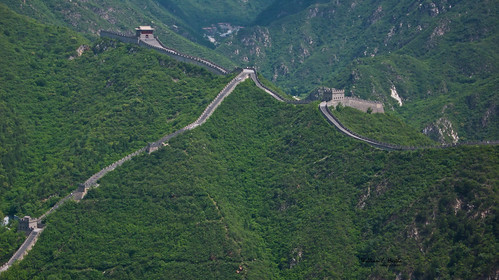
[440,56]
[10,240]
[65,116]
[270,190]
[93,15]
[386,128]
[263,190]
[200,13]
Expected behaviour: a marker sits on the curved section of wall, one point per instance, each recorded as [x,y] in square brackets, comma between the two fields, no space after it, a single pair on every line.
[200,60]
[277,96]
[186,58]
[324,109]
[159,46]
[364,104]
[360,104]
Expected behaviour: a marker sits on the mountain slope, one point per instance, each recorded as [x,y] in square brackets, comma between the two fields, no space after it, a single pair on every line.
[270,190]
[202,13]
[440,57]
[91,16]
[262,190]
[69,108]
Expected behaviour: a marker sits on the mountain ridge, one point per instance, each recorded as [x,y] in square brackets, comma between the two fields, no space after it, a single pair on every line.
[264,188]
[434,54]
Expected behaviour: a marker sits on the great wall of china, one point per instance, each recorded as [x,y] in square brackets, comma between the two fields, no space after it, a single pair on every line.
[34,227]
[155,43]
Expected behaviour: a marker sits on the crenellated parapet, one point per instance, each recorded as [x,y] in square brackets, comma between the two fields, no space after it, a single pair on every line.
[28,224]
[359,104]
[334,97]
[157,45]
[125,38]
[144,37]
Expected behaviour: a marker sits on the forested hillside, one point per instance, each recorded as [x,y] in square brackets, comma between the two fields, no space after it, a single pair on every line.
[268,190]
[263,189]
[91,16]
[70,107]
[439,57]
[201,14]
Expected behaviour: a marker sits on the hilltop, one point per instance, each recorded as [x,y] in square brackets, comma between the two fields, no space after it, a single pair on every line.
[88,17]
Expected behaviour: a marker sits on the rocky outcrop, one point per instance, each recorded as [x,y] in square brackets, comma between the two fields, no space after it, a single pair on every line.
[441,131]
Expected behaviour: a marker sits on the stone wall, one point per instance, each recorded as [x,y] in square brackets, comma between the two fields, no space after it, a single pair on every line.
[326,94]
[28,224]
[210,66]
[359,104]
[155,43]
[333,97]
[119,36]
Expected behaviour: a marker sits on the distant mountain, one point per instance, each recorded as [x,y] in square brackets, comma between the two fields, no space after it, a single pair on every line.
[204,13]
[439,57]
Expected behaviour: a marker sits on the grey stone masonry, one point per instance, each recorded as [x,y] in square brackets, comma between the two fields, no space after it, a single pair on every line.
[357,103]
[334,97]
[326,94]
[23,250]
[157,45]
[28,224]
[149,41]
[119,36]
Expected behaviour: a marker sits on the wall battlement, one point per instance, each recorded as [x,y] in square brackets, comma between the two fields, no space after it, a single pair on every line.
[28,224]
[333,97]
[357,103]
[154,43]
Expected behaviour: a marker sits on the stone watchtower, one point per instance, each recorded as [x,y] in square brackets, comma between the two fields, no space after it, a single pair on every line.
[144,32]
[326,94]
[80,192]
[27,224]
[337,94]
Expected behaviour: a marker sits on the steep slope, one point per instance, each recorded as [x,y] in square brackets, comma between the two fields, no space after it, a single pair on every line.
[69,109]
[385,128]
[91,16]
[439,56]
[336,33]
[269,190]
[205,13]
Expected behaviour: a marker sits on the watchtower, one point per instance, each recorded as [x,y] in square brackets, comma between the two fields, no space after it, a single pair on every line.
[337,94]
[326,94]
[27,224]
[80,192]
[152,147]
[144,32]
